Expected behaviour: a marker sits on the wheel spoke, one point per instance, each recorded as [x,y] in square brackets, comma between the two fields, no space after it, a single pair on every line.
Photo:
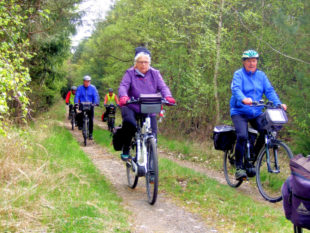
[230,169]
[270,180]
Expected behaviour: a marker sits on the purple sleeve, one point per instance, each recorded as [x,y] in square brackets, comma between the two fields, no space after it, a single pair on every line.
[162,87]
[125,85]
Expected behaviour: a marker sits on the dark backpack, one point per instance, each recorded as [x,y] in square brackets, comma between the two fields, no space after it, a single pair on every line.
[117,139]
[296,192]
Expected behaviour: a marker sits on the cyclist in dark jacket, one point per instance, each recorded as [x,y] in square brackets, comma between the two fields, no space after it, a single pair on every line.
[248,85]
[87,93]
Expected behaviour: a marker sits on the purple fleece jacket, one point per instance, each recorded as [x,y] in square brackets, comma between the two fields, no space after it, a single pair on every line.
[134,84]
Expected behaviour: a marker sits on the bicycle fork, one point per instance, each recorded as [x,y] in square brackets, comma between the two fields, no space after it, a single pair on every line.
[275,154]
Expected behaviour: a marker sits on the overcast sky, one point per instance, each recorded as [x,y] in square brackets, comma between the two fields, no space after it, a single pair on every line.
[94,10]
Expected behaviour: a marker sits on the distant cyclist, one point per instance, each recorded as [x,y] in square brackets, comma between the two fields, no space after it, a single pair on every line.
[248,85]
[70,98]
[139,79]
[109,99]
[87,93]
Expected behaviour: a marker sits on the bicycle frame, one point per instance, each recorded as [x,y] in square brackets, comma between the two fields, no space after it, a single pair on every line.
[269,138]
[144,132]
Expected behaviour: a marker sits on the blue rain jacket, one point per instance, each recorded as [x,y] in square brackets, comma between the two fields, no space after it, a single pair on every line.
[86,94]
[250,85]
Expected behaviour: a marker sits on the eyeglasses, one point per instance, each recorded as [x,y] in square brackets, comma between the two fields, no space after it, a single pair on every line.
[143,62]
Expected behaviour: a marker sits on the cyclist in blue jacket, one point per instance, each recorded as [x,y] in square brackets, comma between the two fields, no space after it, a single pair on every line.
[248,85]
[87,93]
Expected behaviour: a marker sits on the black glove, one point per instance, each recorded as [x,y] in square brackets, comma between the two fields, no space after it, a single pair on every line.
[67,103]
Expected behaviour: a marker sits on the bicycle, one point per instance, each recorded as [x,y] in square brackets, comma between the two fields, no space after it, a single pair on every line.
[85,107]
[145,161]
[111,117]
[72,116]
[272,162]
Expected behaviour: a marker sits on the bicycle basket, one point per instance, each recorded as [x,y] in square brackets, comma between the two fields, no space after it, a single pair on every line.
[275,117]
[224,137]
[85,106]
[150,103]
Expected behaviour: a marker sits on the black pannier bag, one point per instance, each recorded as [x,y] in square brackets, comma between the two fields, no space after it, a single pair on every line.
[117,139]
[224,137]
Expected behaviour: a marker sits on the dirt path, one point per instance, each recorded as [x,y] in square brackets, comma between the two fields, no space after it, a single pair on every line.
[246,187]
[164,216]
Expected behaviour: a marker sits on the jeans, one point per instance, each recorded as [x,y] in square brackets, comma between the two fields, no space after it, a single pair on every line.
[241,126]
[129,127]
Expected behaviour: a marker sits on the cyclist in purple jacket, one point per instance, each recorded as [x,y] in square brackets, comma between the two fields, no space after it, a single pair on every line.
[139,79]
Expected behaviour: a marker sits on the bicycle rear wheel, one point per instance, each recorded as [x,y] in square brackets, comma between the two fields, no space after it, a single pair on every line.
[230,169]
[151,176]
[269,183]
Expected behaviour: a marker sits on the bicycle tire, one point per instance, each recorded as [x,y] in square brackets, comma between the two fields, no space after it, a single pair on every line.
[72,121]
[132,179]
[269,184]
[151,176]
[230,169]
[85,130]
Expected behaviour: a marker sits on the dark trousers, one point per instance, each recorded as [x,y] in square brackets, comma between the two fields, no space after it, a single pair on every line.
[70,108]
[241,126]
[107,109]
[129,127]
[90,113]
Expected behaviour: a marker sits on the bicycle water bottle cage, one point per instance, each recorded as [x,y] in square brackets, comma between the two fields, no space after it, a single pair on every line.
[150,103]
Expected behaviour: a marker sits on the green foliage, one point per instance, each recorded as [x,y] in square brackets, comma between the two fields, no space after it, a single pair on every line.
[14,74]
[181,34]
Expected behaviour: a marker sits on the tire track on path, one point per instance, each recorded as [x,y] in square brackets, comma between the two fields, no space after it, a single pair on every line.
[164,216]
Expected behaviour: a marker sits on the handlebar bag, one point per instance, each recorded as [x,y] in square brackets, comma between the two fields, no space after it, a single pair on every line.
[275,117]
[296,192]
[224,137]
[150,103]
[85,106]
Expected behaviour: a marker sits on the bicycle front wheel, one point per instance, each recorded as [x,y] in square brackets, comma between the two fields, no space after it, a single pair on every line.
[270,178]
[85,130]
[151,175]
[229,165]
[132,177]
[72,121]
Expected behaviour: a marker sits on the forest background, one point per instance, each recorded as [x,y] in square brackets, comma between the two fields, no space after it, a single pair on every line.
[196,44]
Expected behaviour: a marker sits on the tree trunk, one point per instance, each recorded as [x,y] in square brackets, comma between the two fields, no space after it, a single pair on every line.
[217,62]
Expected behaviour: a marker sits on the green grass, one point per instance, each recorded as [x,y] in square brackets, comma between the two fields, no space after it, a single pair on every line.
[203,153]
[222,207]
[55,186]
[219,204]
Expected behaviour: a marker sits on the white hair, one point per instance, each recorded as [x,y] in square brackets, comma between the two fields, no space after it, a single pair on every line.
[144,55]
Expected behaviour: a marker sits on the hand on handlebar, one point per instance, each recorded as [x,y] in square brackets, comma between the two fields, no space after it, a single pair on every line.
[247,101]
[170,99]
[123,100]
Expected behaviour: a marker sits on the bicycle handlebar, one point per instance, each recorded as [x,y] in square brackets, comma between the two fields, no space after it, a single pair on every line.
[262,103]
[136,101]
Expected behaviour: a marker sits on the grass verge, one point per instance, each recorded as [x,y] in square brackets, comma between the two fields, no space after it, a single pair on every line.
[48,184]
